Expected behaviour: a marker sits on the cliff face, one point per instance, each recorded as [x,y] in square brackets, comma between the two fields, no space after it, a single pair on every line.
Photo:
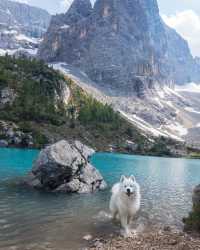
[33,21]
[180,64]
[21,26]
[121,45]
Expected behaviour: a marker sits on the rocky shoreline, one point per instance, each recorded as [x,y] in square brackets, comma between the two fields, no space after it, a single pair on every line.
[12,136]
[157,239]
[165,238]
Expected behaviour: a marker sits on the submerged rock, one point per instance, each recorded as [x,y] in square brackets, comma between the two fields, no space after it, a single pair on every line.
[64,167]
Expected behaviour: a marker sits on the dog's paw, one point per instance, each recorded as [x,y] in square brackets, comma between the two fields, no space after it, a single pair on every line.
[133,233]
[126,233]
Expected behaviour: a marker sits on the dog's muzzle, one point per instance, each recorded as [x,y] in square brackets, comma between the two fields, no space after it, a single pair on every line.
[128,192]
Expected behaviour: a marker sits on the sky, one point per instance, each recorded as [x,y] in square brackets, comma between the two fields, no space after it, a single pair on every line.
[182,15]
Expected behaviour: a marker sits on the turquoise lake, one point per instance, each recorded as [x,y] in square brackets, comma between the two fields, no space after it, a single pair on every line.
[36,221]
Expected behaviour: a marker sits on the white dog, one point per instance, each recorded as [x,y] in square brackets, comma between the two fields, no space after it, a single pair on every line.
[125,202]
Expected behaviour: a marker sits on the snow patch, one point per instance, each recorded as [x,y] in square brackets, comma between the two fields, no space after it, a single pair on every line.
[10,52]
[161,94]
[141,124]
[65,26]
[177,127]
[191,110]
[66,95]
[190,87]
[9,32]
[171,91]
[22,37]
[156,99]
[3,52]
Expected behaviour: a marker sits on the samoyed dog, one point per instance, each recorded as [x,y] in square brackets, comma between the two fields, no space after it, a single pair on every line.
[125,202]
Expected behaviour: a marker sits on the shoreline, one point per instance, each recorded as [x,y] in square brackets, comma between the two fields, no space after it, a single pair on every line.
[155,239]
[188,157]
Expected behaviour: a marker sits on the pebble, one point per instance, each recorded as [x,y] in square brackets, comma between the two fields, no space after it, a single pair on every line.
[87,237]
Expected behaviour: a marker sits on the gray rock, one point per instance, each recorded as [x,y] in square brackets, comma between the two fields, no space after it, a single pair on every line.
[103,185]
[14,136]
[7,96]
[85,188]
[3,144]
[10,132]
[64,167]
[32,180]
[90,175]
[85,151]
[196,197]
[17,140]
[131,146]
[70,187]
[58,158]
[88,237]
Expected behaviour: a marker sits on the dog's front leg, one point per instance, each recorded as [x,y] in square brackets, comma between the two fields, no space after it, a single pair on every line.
[130,218]
[124,224]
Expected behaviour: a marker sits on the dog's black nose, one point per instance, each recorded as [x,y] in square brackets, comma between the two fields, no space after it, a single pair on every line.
[128,190]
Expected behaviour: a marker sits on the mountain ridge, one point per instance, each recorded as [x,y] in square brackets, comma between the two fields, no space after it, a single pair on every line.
[21,27]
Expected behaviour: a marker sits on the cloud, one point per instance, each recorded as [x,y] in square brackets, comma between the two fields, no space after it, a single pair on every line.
[65,4]
[187,24]
[22,1]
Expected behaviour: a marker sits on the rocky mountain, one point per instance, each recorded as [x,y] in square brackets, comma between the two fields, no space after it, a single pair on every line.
[123,54]
[120,44]
[21,27]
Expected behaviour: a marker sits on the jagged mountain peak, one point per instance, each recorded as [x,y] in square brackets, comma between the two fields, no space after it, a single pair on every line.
[83,7]
[150,5]
[79,9]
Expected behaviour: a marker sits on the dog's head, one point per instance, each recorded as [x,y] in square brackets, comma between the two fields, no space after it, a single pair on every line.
[129,185]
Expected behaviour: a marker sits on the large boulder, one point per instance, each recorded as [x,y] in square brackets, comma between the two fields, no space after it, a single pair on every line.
[64,167]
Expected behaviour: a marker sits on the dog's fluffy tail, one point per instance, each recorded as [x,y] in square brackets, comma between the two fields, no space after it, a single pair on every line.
[115,188]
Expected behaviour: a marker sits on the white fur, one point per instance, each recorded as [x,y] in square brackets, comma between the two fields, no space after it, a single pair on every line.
[125,202]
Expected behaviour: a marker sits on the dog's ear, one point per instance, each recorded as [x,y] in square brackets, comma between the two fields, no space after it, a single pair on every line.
[122,178]
[132,177]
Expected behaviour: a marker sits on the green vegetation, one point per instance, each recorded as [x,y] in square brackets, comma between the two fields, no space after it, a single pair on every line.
[161,147]
[34,85]
[87,110]
[192,222]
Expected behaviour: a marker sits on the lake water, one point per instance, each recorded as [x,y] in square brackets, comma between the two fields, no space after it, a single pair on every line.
[32,220]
